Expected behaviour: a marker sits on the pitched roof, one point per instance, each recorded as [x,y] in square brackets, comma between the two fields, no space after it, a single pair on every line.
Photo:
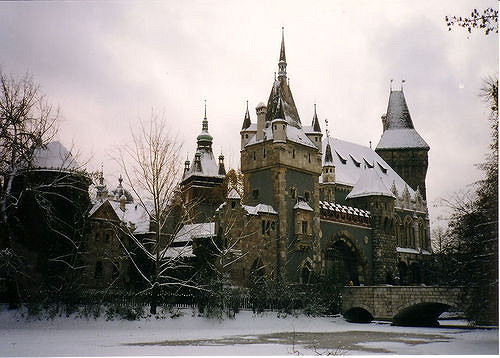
[233,194]
[399,131]
[195,231]
[369,184]
[303,206]
[351,160]
[134,213]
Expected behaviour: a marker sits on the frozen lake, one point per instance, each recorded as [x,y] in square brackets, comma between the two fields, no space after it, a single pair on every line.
[247,334]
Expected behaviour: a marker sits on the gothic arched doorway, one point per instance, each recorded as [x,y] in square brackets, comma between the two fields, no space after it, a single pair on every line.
[343,264]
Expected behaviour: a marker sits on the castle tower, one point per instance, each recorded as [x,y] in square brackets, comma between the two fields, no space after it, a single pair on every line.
[281,167]
[401,146]
[203,176]
[370,193]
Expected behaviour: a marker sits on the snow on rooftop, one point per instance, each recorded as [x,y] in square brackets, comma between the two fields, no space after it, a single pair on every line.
[195,231]
[303,206]
[233,194]
[401,138]
[260,208]
[347,172]
[134,214]
[209,166]
[179,251]
[369,184]
[54,156]
[293,134]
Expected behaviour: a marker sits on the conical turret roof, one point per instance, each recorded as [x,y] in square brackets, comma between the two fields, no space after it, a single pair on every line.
[398,128]
[315,122]
[246,120]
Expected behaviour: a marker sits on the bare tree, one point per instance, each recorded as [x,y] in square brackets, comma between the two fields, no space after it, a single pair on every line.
[151,167]
[41,210]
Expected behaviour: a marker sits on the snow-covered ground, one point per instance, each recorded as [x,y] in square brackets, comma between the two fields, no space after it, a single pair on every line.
[247,334]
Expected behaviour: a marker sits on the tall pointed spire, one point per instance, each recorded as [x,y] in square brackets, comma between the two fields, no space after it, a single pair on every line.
[204,126]
[282,61]
[315,121]
[204,139]
[246,120]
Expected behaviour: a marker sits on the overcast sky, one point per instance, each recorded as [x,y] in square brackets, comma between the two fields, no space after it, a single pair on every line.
[109,64]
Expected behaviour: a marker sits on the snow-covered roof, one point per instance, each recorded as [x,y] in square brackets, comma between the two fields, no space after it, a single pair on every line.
[368,184]
[260,208]
[351,160]
[303,206]
[209,166]
[179,251]
[195,231]
[401,138]
[233,194]
[54,156]
[134,213]
[293,134]
[399,131]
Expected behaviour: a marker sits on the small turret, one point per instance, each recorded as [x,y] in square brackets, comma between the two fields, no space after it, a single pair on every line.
[279,125]
[102,191]
[247,129]
[186,167]
[261,110]
[314,132]
[222,169]
[197,162]
[328,166]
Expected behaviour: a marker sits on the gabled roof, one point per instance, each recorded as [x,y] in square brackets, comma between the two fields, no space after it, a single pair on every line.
[346,155]
[134,213]
[398,128]
[369,184]
[233,194]
[302,205]
[259,208]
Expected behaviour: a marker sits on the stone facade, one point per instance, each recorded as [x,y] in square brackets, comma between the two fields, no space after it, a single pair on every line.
[333,207]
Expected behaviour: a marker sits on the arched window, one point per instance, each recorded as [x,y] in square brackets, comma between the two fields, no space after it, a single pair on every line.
[422,234]
[409,232]
[397,231]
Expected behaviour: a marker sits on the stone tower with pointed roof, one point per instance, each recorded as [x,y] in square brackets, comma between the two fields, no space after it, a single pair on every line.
[203,176]
[281,164]
[401,146]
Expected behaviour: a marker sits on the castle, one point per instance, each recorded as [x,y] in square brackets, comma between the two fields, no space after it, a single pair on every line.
[316,204]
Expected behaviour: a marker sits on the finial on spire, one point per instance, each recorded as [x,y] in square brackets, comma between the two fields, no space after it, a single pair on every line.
[205,110]
[391,85]
[402,82]
[282,61]
[327,130]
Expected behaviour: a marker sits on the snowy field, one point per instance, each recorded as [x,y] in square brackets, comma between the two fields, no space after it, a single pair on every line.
[247,334]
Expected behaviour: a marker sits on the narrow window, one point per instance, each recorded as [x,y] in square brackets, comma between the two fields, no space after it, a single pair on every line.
[246,136]
[264,152]
[293,153]
[255,193]
[304,227]
[263,227]
[306,195]
[268,231]
[309,157]
[107,237]
[254,156]
[233,204]
[98,269]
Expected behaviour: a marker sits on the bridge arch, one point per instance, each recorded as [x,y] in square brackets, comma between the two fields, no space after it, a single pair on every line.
[422,312]
[358,314]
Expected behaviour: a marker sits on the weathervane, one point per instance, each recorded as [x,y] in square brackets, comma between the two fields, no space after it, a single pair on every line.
[327,130]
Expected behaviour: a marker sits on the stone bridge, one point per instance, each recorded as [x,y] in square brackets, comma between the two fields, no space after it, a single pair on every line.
[403,305]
